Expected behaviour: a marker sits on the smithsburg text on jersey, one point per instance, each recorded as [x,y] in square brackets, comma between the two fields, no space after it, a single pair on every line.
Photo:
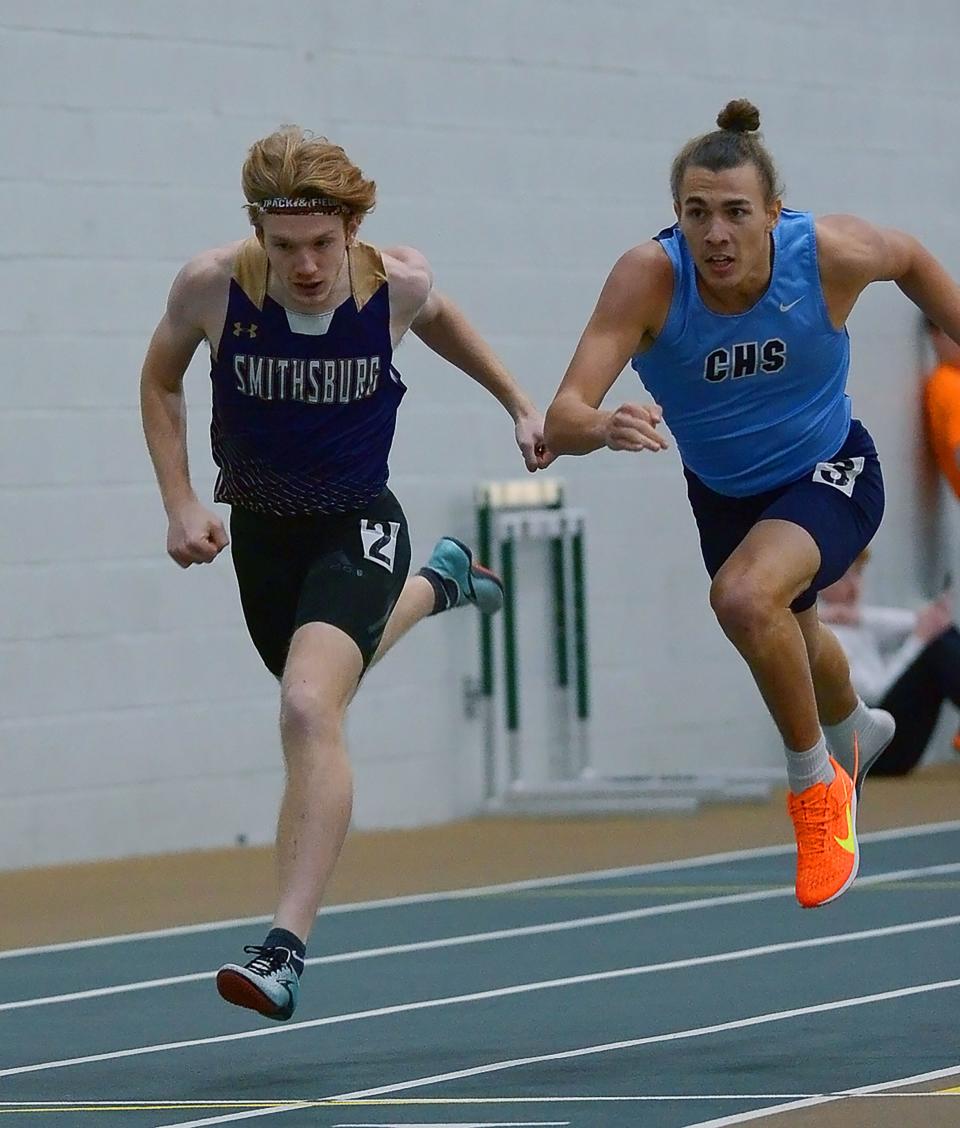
[307,381]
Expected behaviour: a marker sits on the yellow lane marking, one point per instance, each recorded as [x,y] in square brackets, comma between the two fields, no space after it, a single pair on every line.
[382,1102]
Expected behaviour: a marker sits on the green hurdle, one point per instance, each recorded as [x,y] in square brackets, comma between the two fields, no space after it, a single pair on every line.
[506,513]
[552,770]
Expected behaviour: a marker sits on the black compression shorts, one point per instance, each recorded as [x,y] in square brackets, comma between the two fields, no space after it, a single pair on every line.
[346,570]
[839,503]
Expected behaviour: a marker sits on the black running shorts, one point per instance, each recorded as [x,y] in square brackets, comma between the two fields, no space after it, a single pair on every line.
[839,503]
[346,570]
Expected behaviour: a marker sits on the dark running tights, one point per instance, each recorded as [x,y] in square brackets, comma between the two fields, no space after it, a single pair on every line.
[915,701]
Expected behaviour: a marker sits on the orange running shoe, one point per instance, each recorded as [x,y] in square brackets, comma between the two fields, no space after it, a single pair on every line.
[828,853]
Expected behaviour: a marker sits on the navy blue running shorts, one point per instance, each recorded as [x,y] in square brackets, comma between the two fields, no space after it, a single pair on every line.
[347,570]
[839,502]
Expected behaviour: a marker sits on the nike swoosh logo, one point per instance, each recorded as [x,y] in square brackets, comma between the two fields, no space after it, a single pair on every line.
[850,842]
[785,308]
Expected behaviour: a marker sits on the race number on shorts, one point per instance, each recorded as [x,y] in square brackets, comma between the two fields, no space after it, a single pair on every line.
[380,541]
[840,474]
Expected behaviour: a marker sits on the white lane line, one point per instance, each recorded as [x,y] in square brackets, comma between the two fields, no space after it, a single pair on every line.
[93,1106]
[498,993]
[635,1098]
[861,1091]
[462,1124]
[487,937]
[480,891]
[608,1047]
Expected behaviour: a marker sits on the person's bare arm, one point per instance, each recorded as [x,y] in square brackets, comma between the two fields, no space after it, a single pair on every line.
[443,327]
[853,253]
[194,534]
[631,309]
[838,613]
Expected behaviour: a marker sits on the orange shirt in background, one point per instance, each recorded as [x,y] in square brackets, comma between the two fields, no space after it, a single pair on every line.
[942,402]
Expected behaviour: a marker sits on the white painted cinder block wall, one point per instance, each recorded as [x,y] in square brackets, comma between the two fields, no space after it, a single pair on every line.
[522,145]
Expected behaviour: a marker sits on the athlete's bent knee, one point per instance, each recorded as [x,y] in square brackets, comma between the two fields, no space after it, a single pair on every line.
[740,604]
[306,710]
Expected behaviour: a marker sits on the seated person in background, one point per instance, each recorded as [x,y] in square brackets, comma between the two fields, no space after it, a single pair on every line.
[942,405]
[906,662]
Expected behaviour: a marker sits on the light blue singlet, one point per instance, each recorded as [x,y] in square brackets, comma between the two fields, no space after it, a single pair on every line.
[756,399]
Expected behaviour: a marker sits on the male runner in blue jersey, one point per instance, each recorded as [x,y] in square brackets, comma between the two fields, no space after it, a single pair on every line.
[302,321]
[735,321]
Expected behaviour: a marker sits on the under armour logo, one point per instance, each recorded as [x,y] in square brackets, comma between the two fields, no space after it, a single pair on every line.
[239,328]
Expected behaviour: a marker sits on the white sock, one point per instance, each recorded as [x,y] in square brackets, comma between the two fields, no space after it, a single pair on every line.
[806,769]
[874,729]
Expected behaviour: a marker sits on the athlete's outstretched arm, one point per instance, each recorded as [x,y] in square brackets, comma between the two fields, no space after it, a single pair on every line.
[631,306]
[194,534]
[442,327]
[929,286]
[854,253]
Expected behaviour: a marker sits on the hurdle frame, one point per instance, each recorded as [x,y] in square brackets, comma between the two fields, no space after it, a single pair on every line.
[525,509]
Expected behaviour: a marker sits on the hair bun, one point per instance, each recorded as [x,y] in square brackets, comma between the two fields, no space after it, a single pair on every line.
[739,116]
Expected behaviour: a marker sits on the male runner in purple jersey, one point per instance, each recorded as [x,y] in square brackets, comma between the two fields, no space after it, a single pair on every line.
[302,320]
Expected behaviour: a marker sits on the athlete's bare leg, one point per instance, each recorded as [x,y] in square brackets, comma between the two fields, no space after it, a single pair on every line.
[751,597]
[458,580]
[321,675]
[322,672]
[856,734]
[416,602]
[829,668]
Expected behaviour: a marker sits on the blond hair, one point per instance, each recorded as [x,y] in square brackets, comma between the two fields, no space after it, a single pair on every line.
[292,162]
